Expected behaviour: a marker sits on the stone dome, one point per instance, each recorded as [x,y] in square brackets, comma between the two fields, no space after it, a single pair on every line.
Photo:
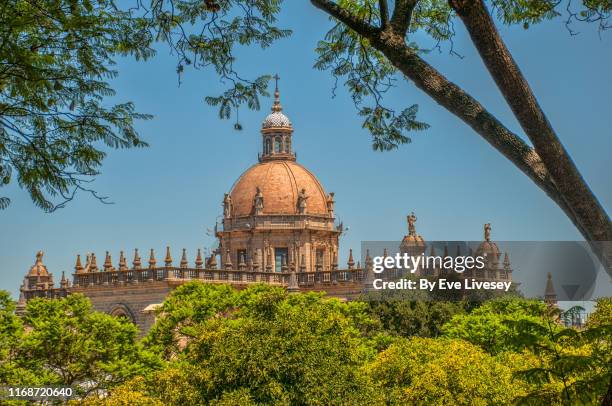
[38,269]
[276,119]
[489,248]
[280,183]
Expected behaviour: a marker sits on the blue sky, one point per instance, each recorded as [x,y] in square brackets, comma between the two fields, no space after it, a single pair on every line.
[170,193]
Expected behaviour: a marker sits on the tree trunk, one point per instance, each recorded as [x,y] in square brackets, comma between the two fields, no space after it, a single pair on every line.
[582,204]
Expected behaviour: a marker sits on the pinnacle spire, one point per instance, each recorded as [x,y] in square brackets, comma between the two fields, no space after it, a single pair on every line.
[108,263]
[212,262]
[152,261]
[93,265]
[198,261]
[228,260]
[78,268]
[122,262]
[136,263]
[184,262]
[351,262]
[168,259]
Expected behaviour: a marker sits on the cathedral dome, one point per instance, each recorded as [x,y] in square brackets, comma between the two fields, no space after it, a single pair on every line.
[280,183]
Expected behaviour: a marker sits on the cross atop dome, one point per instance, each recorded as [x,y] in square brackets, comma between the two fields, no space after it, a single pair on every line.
[276,107]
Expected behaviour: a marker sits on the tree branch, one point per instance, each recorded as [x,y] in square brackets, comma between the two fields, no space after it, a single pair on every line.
[402,14]
[345,16]
[384,13]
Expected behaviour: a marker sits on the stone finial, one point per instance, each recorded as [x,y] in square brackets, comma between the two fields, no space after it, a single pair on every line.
[487,232]
[122,262]
[351,261]
[64,281]
[228,260]
[78,268]
[152,261]
[93,265]
[168,259]
[506,261]
[184,262]
[137,262]
[108,263]
[212,262]
[198,261]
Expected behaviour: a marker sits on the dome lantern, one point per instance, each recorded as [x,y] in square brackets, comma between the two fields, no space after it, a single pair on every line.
[276,131]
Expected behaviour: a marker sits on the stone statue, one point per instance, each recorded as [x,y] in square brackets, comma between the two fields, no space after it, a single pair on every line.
[301,203]
[258,203]
[411,224]
[227,206]
[330,204]
[487,232]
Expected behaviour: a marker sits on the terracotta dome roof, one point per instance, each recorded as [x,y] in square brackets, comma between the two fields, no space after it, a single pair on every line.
[280,182]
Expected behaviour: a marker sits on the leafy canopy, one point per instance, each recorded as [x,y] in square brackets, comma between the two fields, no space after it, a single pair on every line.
[56,122]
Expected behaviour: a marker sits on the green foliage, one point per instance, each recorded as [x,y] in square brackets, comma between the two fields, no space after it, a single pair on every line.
[262,345]
[11,334]
[55,119]
[575,366]
[441,372]
[487,326]
[408,317]
[602,314]
[67,343]
[265,346]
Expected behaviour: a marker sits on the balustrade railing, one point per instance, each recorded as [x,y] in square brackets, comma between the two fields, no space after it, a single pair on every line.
[133,276]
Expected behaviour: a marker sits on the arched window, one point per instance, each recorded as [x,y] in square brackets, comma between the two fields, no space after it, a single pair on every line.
[277,145]
[287,144]
[268,146]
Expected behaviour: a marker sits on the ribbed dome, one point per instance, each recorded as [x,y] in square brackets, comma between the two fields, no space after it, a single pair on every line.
[276,119]
[280,183]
